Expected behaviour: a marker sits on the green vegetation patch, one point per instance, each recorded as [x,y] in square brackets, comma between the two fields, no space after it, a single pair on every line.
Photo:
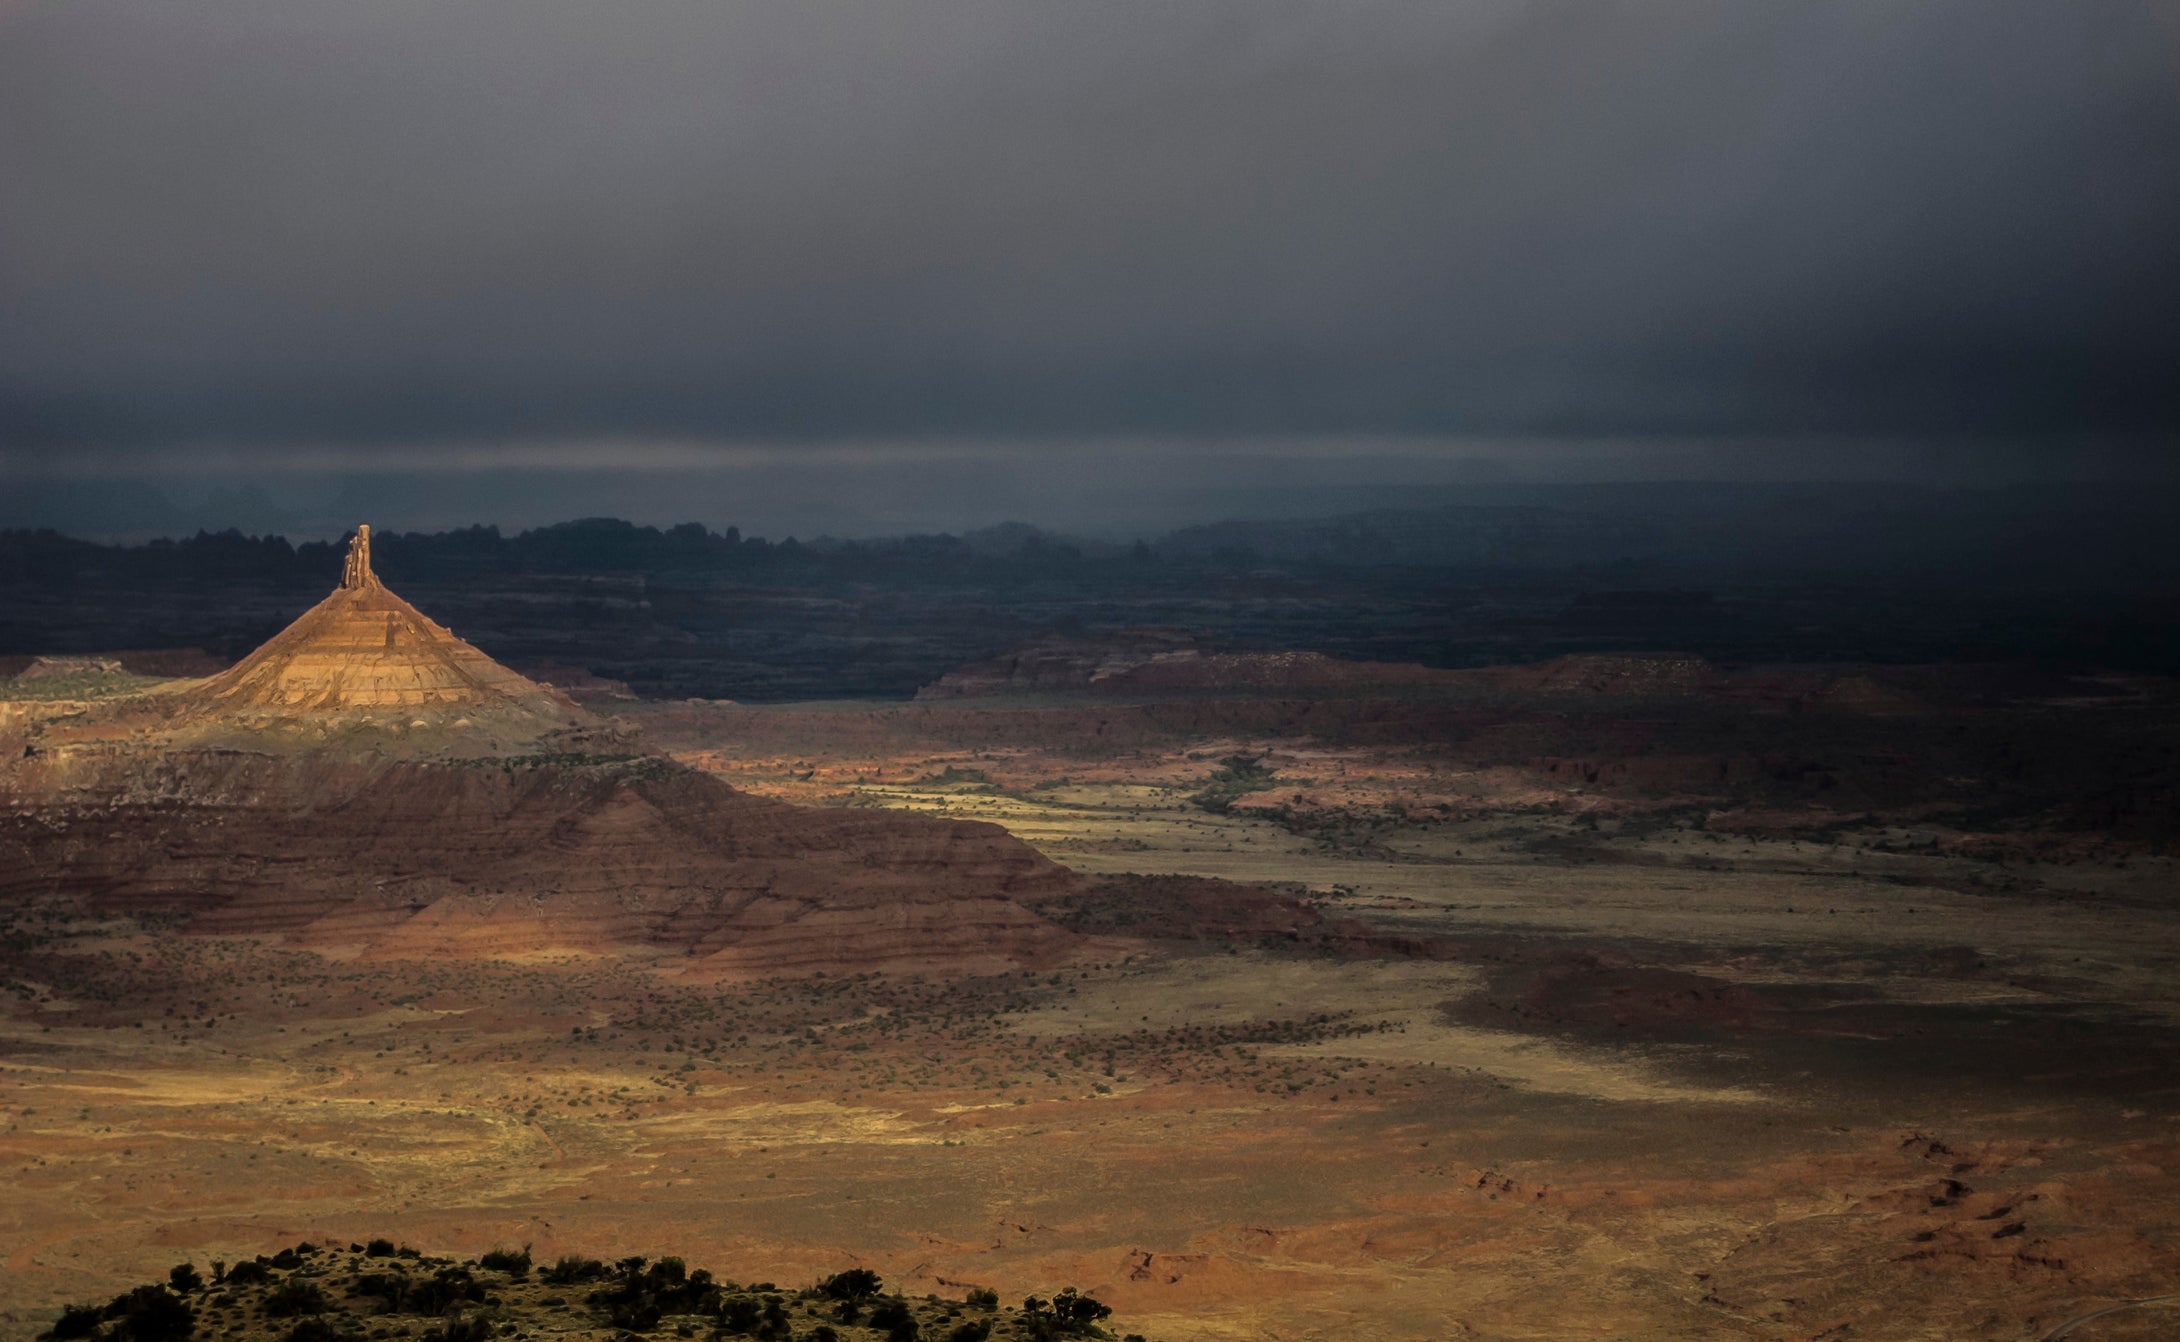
[1236,777]
[960,780]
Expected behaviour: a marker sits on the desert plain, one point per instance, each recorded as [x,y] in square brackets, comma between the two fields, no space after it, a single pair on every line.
[1507,1005]
[1497,671]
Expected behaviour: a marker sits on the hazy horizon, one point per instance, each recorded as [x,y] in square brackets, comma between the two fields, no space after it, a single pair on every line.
[1093,269]
[1112,492]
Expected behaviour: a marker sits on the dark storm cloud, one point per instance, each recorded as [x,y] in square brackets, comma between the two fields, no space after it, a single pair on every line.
[374,221]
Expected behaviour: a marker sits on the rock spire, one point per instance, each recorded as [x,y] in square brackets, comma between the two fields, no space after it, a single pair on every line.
[364,648]
[357,571]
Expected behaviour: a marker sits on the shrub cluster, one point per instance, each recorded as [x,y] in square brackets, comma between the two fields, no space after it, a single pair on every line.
[1068,1314]
[572,1270]
[515,1264]
[291,1298]
[447,1289]
[633,1295]
[1236,777]
[146,1314]
[640,1293]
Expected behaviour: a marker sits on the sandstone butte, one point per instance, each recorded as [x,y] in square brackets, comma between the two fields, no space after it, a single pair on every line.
[368,784]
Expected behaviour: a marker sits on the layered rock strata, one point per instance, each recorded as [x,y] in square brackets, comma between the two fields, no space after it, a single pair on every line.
[364,653]
[485,859]
[368,784]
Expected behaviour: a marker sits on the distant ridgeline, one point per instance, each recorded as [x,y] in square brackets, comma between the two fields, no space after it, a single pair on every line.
[2079,534]
[331,1294]
[1838,574]
[589,545]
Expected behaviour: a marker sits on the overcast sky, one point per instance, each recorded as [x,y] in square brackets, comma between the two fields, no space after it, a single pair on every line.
[242,237]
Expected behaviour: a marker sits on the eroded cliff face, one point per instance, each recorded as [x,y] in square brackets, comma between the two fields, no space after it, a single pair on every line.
[491,858]
[368,784]
[365,660]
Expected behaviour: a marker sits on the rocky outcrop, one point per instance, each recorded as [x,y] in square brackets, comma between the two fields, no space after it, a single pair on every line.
[368,784]
[167,662]
[364,650]
[1162,662]
[581,684]
[51,668]
[1055,665]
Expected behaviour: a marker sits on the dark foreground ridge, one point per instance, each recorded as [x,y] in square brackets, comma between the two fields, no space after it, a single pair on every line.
[378,1290]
